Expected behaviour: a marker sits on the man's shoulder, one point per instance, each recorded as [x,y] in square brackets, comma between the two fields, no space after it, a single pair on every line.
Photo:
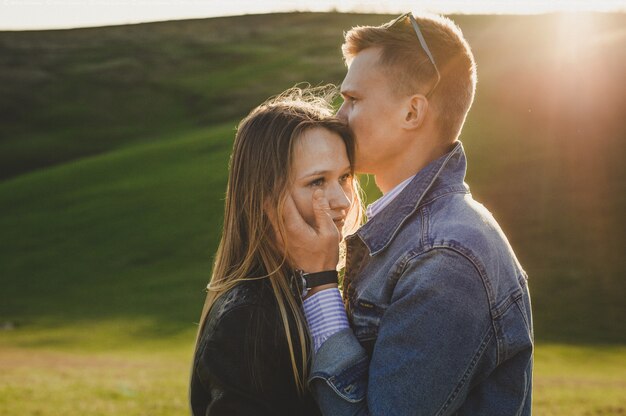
[453,221]
[461,220]
[462,224]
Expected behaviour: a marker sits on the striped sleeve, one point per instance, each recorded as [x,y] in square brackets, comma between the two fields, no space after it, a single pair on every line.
[325,315]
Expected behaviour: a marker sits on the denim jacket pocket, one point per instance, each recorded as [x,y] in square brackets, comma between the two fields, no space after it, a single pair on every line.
[515,330]
[366,317]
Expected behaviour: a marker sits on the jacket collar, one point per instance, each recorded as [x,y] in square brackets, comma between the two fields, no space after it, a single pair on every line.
[444,175]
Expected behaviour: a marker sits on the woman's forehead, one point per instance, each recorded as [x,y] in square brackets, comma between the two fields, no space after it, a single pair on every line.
[319,149]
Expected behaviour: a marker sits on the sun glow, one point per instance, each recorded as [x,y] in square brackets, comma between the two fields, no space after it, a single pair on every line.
[574,32]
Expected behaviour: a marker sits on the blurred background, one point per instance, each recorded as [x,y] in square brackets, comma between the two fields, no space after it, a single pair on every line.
[114,146]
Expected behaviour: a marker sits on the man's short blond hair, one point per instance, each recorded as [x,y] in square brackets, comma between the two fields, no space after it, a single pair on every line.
[410,71]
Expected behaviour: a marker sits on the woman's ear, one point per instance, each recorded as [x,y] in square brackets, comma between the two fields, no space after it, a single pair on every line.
[416,111]
[269,209]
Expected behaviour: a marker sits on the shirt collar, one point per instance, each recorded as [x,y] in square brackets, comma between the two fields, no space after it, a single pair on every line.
[443,175]
[377,206]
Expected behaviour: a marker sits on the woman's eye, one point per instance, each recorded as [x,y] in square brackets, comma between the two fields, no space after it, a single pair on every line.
[346,177]
[317,182]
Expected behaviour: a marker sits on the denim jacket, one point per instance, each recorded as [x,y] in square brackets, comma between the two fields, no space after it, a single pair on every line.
[438,306]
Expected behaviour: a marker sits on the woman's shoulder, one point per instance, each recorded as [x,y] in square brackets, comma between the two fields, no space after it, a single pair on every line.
[249,306]
[242,325]
[248,310]
[243,354]
[248,295]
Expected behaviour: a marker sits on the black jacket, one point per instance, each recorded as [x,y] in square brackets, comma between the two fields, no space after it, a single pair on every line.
[242,364]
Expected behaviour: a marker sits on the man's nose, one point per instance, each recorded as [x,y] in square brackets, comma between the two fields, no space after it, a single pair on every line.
[342,114]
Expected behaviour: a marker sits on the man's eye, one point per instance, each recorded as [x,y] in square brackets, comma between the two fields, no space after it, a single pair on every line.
[346,177]
[317,182]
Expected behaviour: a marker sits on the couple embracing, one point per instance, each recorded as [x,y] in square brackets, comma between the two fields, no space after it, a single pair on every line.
[431,314]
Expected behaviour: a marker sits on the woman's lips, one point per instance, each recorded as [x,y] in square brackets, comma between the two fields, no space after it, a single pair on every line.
[339,222]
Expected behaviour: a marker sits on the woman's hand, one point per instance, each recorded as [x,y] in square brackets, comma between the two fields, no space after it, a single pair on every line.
[311,248]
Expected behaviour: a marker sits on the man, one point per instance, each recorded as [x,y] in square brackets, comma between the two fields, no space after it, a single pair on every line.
[437,304]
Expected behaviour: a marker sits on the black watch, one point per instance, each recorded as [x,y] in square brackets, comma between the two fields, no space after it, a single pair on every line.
[311,280]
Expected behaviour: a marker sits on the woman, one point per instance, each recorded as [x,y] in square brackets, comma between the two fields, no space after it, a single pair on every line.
[252,350]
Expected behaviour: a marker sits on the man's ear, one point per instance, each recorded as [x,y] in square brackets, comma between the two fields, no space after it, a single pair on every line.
[416,111]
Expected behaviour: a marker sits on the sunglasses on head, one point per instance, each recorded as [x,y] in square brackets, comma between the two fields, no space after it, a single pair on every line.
[422,41]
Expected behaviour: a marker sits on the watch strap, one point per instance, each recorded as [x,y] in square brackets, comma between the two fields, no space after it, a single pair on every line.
[320,278]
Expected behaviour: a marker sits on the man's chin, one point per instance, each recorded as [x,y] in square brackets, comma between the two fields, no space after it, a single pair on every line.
[362,168]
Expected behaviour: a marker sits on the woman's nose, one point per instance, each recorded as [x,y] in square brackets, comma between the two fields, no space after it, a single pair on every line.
[338,199]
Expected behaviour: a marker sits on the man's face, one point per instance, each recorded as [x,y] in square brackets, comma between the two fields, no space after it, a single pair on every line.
[373,112]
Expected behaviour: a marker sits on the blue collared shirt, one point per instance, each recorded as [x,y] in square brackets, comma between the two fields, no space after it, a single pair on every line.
[378,205]
[325,315]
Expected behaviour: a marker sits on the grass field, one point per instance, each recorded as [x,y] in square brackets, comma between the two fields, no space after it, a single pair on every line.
[151,380]
[113,154]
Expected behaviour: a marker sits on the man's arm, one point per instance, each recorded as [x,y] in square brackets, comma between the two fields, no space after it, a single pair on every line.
[431,339]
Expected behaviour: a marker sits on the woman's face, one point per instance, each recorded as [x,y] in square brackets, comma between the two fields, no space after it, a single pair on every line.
[320,161]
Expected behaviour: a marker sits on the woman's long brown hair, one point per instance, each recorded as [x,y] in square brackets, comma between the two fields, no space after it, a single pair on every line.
[259,176]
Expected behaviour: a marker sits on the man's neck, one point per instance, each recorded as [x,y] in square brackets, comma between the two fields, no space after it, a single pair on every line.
[400,170]
[386,182]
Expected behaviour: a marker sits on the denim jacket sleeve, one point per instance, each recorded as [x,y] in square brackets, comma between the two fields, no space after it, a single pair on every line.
[431,341]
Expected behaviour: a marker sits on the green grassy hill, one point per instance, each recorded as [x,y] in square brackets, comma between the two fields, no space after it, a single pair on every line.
[115,141]
[69,94]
